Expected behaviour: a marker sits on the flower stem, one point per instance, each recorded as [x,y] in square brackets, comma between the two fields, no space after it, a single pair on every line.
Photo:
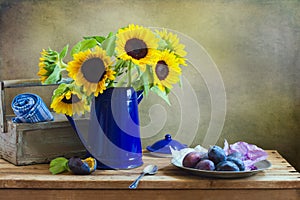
[62,64]
[129,74]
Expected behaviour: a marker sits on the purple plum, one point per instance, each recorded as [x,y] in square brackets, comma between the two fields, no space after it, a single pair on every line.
[237,161]
[191,159]
[227,166]
[216,154]
[205,165]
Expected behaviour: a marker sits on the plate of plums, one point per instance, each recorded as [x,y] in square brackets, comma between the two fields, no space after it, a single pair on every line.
[216,164]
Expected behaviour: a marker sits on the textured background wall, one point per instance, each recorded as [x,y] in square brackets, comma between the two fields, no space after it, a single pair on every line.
[255,45]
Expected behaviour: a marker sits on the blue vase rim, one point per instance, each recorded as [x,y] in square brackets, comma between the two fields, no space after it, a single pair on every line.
[133,94]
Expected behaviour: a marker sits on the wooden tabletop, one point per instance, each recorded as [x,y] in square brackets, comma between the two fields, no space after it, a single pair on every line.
[280,180]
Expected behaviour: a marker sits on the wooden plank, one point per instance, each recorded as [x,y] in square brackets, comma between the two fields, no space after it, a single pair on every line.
[15,194]
[26,83]
[21,83]
[41,146]
[96,181]
[8,147]
[168,177]
[60,121]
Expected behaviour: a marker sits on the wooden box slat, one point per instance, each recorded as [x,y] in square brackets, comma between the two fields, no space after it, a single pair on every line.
[31,143]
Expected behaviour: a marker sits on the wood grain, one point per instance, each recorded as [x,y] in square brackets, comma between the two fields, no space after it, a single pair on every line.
[280,176]
[158,194]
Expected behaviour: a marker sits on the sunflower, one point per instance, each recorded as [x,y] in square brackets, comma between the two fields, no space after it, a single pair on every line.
[91,69]
[137,44]
[173,45]
[49,61]
[43,74]
[166,70]
[69,102]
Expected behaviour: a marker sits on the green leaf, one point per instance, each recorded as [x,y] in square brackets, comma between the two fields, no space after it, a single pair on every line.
[119,63]
[167,90]
[161,94]
[65,80]
[62,88]
[50,59]
[76,48]
[138,85]
[99,39]
[145,80]
[109,44]
[55,76]
[51,52]
[58,165]
[110,34]
[50,68]
[162,44]
[137,68]
[83,45]
[63,53]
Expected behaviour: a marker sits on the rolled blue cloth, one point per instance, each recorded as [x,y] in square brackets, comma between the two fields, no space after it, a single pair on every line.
[30,108]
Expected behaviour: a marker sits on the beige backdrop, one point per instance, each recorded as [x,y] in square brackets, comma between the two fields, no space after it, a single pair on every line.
[255,45]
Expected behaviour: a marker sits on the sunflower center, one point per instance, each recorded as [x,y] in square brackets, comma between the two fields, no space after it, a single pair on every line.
[93,70]
[136,48]
[74,99]
[161,70]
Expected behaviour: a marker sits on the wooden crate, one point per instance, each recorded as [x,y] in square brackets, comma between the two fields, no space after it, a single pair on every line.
[29,143]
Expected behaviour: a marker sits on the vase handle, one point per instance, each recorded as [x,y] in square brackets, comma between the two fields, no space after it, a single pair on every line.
[139,96]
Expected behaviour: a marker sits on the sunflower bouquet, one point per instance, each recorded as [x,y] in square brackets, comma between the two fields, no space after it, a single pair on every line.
[134,56]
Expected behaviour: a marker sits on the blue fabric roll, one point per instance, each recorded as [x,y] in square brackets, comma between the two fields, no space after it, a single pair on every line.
[30,108]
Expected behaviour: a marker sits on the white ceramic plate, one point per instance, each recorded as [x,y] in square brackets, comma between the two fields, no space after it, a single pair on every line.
[261,165]
[163,155]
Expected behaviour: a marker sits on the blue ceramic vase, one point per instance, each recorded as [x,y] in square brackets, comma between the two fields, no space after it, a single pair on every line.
[113,136]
